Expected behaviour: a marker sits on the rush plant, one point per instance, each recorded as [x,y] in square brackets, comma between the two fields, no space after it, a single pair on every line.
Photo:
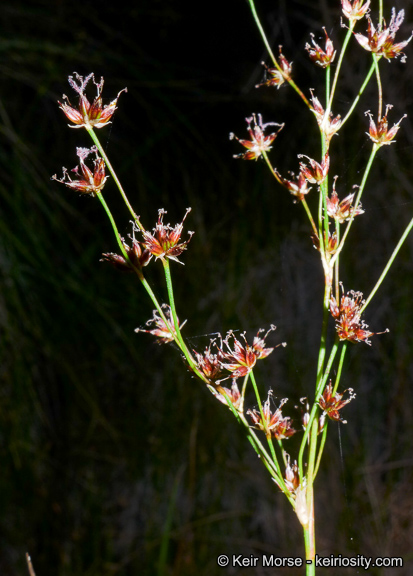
[227,367]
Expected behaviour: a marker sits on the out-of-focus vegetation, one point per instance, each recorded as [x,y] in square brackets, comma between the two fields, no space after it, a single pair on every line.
[114,460]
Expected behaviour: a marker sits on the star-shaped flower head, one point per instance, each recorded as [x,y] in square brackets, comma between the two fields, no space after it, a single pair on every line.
[273,424]
[355,10]
[259,143]
[234,396]
[322,58]
[164,331]
[381,41]
[297,186]
[209,363]
[87,182]
[241,358]
[164,240]
[380,133]
[315,173]
[347,315]
[342,211]
[328,125]
[332,404]
[277,77]
[88,115]
[137,257]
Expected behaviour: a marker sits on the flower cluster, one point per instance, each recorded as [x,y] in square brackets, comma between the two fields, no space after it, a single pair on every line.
[380,133]
[164,240]
[331,403]
[322,58]
[356,10]
[342,211]
[259,143]
[273,424]
[137,258]
[87,182]
[381,41]
[164,329]
[347,314]
[277,76]
[88,115]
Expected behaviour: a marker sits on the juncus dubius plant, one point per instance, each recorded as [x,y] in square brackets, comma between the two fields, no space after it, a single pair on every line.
[227,366]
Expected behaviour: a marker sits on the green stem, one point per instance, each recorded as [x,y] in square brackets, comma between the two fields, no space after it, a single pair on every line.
[115,229]
[360,92]
[274,60]
[114,176]
[360,192]
[389,263]
[180,341]
[319,390]
[340,60]
[310,540]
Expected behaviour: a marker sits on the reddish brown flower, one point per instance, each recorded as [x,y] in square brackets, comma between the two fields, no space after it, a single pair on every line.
[328,125]
[88,115]
[315,173]
[272,423]
[210,363]
[342,211]
[164,240]
[381,41]
[137,257]
[87,182]
[322,58]
[165,332]
[355,10]
[259,143]
[297,185]
[234,395]
[277,77]
[241,359]
[380,133]
[347,314]
[292,476]
[331,405]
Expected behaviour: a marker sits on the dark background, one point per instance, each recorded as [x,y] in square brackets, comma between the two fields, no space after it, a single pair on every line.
[114,461]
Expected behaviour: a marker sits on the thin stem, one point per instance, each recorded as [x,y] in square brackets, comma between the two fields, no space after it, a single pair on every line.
[340,367]
[379,86]
[114,176]
[321,449]
[389,263]
[115,229]
[340,60]
[193,365]
[304,203]
[268,434]
[360,192]
[274,60]
[360,92]
[310,547]
[319,391]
